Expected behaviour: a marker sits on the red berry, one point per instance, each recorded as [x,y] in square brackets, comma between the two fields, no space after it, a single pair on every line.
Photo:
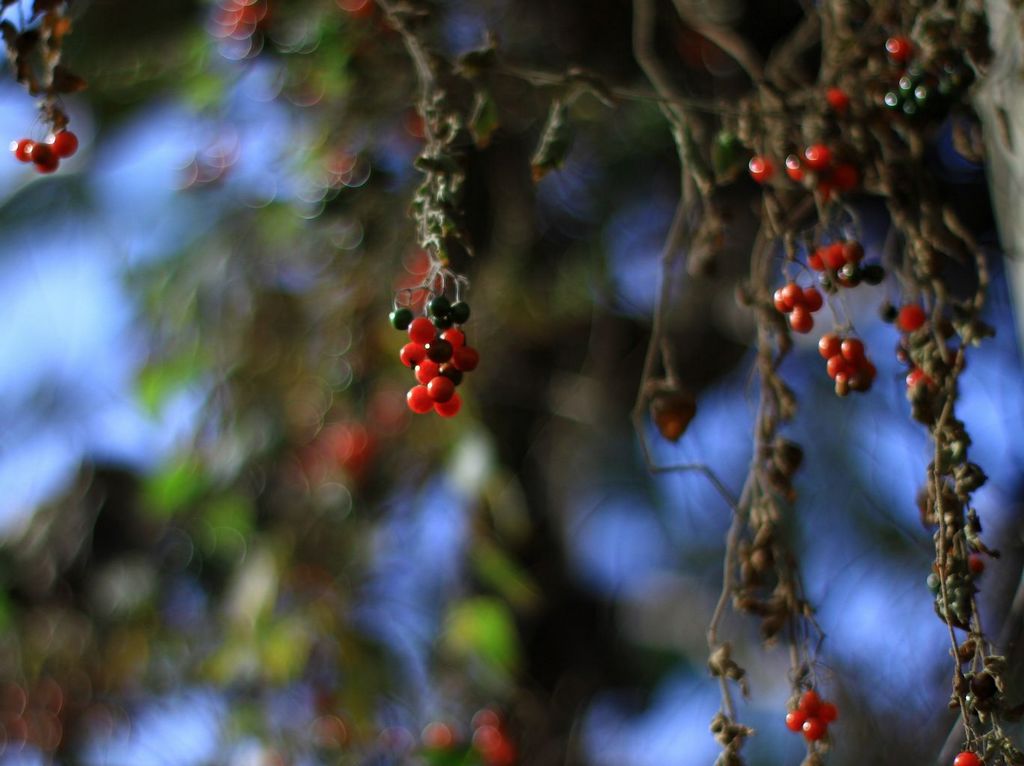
[466,358]
[780,302]
[793,168]
[427,370]
[441,389]
[421,330]
[917,377]
[23,149]
[911,317]
[454,336]
[792,295]
[817,157]
[853,350]
[976,563]
[837,99]
[870,370]
[809,703]
[829,346]
[761,168]
[449,408]
[44,158]
[64,143]
[412,354]
[801,320]
[812,299]
[828,712]
[967,759]
[437,736]
[814,729]
[814,260]
[845,177]
[419,400]
[795,720]
[853,252]
[899,48]
[836,365]
[485,717]
[833,255]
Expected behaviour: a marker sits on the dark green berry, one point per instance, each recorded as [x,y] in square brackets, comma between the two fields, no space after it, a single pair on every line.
[909,108]
[873,274]
[892,100]
[439,307]
[460,312]
[453,373]
[443,322]
[888,312]
[401,318]
[907,84]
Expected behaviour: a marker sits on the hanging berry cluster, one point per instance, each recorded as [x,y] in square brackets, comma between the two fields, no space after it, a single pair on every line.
[846,363]
[925,90]
[799,303]
[840,265]
[817,167]
[811,716]
[437,353]
[34,51]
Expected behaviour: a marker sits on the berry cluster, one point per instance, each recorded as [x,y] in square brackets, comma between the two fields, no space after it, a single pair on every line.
[46,155]
[847,364]
[925,92]
[909,319]
[490,742]
[842,262]
[812,715]
[819,166]
[799,303]
[438,353]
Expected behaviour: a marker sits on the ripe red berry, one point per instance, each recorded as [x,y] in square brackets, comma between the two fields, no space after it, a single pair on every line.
[44,158]
[22,149]
[809,703]
[815,261]
[829,346]
[801,320]
[794,169]
[792,295]
[976,563]
[828,712]
[967,759]
[465,358]
[870,370]
[911,317]
[419,400]
[917,377]
[899,48]
[454,336]
[853,350]
[761,168]
[814,729]
[837,99]
[437,736]
[64,143]
[427,370]
[836,365]
[441,389]
[450,408]
[817,157]
[845,177]
[412,354]
[833,255]
[795,720]
[812,299]
[780,302]
[853,252]
[421,330]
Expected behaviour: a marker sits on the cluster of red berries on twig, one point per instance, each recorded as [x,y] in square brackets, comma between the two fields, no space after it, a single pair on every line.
[909,319]
[811,716]
[46,155]
[438,354]
[841,262]
[847,364]
[799,303]
[816,166]
[490,742]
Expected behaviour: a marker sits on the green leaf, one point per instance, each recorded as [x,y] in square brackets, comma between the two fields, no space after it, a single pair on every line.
[484,120]
[157,382]
[483,629]
[555,141]
[174,487]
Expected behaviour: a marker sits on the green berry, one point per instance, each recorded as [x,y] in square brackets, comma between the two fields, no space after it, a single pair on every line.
[892,100]
[444,321]
[909,108]
[460,312]
[439,307]
[401,318]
